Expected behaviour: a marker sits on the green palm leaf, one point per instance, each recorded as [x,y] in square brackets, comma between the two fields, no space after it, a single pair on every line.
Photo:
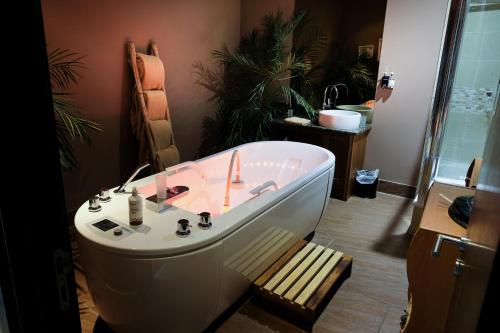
[64,70]
[64,67]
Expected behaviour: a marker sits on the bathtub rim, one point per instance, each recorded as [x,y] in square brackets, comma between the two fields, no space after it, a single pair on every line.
[266,202]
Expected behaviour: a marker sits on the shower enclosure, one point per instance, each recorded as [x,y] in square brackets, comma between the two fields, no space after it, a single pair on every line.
[466,94]
[473,93]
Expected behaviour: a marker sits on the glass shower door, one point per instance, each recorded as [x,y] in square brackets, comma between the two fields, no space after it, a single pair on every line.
[474,92]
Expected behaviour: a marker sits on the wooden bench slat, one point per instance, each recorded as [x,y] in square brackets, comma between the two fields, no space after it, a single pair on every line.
[297,273]
[260,250]
[319,278]
[292,264]
[312,282]
[338,272]
[267,252]
[308,275]
[248,250]
[279,263]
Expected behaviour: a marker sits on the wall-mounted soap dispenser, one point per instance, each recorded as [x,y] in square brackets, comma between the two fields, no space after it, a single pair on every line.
[384,82]
[387,81]
[391,82]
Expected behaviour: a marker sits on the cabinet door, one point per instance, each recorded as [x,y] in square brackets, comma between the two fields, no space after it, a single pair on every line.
[339,146]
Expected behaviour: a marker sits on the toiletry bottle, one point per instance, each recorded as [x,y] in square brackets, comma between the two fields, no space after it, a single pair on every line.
[135,208]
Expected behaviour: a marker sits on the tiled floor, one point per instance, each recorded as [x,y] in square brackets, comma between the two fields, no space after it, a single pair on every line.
[371,300]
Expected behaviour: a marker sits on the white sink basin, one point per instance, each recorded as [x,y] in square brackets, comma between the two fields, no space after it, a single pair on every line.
[339,119]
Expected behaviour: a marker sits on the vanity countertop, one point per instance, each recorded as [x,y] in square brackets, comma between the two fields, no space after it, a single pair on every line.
[355,131]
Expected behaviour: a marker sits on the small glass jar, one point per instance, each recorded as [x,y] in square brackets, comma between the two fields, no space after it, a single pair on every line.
[161,185]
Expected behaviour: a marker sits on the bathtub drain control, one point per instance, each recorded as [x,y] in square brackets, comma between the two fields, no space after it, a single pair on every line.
[104,195]
[205,221]
[94,205]
[183,228]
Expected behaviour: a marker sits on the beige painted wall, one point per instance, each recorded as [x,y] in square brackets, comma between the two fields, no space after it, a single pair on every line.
[412,40]
[186,32]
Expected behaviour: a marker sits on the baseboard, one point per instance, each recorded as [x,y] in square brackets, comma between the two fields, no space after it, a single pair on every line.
[402,190]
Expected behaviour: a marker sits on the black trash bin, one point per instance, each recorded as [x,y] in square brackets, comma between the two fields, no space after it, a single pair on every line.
[365,184]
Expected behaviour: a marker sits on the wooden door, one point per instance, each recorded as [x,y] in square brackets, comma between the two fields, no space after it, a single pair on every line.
[473,303]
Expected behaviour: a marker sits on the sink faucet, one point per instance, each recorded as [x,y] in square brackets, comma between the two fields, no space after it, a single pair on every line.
[121,189]
[333,86]
[325,104]
[236,155]
[337,92]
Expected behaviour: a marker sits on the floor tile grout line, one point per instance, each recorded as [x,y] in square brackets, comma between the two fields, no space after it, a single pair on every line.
[383,320]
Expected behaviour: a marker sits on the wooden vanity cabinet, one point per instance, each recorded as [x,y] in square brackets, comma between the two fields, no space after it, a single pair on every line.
[430,279]
[348,147]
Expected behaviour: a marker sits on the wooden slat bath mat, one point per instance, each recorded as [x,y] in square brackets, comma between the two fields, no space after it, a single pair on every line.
[300,284]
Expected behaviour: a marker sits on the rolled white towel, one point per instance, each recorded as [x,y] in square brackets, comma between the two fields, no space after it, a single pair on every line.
[298,121]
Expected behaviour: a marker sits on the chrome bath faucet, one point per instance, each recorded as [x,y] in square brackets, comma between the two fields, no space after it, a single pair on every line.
[236,155]
[121,189]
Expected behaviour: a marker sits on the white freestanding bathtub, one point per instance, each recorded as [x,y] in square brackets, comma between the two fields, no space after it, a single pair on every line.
[150,280]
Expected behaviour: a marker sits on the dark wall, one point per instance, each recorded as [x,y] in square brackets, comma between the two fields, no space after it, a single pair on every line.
[353,22]
[362,23]
[347,25]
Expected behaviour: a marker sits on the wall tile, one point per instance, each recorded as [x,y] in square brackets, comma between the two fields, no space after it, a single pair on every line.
[466,72]
[469,49]
[492,20]
[487,74]
[474,22]
[490,46]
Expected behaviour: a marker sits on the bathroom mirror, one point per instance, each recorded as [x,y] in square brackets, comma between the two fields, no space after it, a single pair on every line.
[353,31]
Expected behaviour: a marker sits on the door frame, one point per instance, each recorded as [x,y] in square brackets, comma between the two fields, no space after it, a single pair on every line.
[36,278]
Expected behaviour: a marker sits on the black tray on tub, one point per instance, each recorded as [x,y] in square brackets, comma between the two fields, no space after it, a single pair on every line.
[172,192]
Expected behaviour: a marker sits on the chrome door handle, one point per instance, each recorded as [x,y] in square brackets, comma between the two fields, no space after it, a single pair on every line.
[461,242]
[459,263]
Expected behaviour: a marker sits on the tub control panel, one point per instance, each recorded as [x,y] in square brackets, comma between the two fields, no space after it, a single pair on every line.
[112,229]
[105,225]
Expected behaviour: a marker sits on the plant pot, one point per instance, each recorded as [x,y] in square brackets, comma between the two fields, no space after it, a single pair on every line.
[363,110]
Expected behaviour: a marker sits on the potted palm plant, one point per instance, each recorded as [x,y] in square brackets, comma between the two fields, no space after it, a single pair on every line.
[64,70]
[251,85]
